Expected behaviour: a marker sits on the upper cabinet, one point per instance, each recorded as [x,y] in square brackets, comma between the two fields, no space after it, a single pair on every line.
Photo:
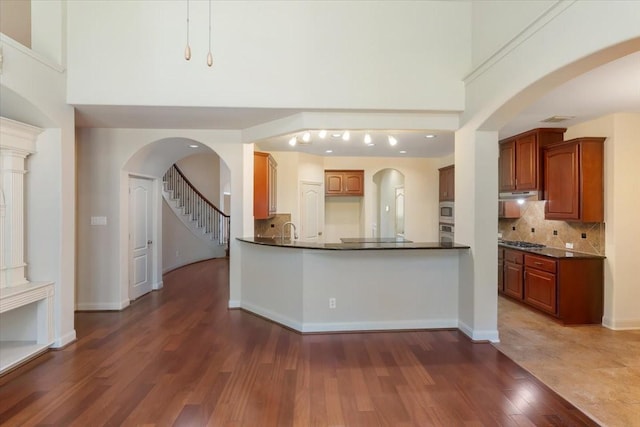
[344,182]
[519,166]
[574,180]
[447,183]
[264,185]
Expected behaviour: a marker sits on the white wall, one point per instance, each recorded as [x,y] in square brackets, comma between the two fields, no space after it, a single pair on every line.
[622,176]
[312,54]
[495,22]
[203,171]
[179,245]
[343,217]
[558,46]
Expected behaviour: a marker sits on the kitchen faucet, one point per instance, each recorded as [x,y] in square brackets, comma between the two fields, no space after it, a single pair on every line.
[295,232]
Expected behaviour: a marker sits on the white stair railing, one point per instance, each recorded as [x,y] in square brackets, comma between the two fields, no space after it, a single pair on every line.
[207,216]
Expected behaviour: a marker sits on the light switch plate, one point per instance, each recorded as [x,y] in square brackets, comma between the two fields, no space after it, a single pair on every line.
[568,245]
[98,220]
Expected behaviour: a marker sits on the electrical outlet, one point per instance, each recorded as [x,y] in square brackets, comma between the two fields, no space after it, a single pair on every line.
[332,303]
[568,245]
[177,253]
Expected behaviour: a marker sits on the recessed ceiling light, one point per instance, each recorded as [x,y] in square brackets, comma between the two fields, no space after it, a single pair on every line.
[306,137]
[367,138]
[322,134]
[336,135]
[293,141]
[371,144]
[392,141]
[430,136]
[329,151]
[403,151]
[193,146]
[346,135]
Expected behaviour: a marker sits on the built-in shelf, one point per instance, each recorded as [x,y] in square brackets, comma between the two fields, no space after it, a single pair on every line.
[26,322]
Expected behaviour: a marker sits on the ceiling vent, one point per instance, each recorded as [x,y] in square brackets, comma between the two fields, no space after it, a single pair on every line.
[557,119]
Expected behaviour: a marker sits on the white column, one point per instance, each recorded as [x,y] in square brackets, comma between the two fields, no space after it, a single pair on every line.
[476,225]
[17,141]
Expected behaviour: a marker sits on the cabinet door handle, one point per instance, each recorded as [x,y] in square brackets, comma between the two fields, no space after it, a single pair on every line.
[537,263]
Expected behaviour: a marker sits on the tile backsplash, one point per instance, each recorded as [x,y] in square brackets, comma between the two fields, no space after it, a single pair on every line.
[532,218]
[272,227]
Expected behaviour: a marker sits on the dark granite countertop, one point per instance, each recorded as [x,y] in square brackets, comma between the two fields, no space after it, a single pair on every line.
[553,252]
[350,246]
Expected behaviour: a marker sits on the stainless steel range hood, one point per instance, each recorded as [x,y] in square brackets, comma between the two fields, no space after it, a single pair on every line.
[515,195]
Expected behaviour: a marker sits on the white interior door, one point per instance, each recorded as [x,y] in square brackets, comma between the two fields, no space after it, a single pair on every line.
[311,211]
[140,236]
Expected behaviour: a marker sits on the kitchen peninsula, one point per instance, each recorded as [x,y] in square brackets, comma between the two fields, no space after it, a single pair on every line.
[353,285]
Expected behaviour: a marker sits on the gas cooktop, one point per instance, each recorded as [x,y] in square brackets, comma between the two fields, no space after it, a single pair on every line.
[521,244]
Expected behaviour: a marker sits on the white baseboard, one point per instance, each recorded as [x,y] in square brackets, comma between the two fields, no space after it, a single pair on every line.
[234,303]
[278,318]
[621,325]
[157,286]
[350,326]
[100,306]
[478,335]
[380,326]
[64,340]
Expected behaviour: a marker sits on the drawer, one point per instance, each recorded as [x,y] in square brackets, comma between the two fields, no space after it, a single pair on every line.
[513,256]
[541,263]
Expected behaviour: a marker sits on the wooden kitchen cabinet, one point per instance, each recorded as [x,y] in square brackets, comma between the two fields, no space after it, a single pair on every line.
[519,165]
[264,185]
[574,180]
[501,270]
[540,283]
[344,182]
[447,183]
[513,270]
[570,288]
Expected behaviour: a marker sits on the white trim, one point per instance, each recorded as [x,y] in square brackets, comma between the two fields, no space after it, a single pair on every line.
[234,303]
[621,325]
[157,286]
[379,326]
[35,55]
[536,25]
[64,340]
[276,317]
[100,306]
[476,335]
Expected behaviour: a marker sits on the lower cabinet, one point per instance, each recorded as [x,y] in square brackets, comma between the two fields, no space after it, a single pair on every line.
[570,289]
[500,270]
[513,268]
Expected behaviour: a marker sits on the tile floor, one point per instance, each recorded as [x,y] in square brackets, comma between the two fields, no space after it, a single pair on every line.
[594,368]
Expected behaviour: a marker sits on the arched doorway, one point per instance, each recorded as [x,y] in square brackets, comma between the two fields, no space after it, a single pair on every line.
[390,203]
[164,231]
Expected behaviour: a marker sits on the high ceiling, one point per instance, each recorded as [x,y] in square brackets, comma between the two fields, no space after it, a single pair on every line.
[612,88]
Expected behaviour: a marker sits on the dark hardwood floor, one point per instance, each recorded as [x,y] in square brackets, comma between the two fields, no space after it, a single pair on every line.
[179,357]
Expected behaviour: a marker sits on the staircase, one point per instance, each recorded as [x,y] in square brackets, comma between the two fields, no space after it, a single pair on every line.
[201,216]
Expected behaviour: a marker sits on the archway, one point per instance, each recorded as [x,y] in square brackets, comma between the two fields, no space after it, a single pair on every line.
[389,203]
[172,243]
[476,178]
